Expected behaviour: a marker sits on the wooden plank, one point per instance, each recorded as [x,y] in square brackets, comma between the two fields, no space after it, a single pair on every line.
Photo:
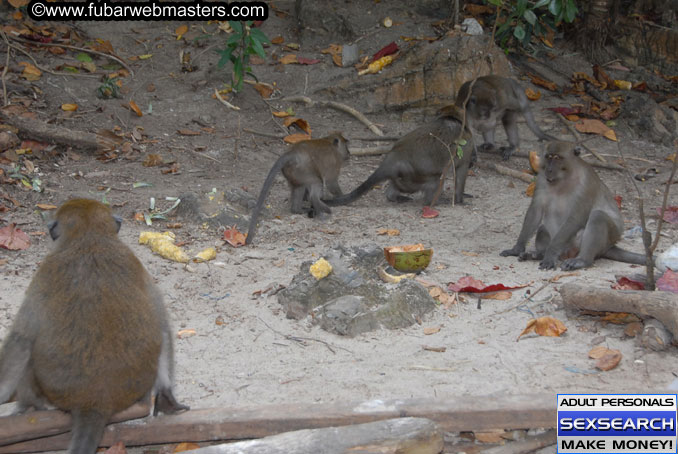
[456,414]
[43,423]
[391,436]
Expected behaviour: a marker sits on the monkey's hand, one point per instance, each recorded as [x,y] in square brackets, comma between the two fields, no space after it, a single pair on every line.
[515,251]
[487,147]
[574,264]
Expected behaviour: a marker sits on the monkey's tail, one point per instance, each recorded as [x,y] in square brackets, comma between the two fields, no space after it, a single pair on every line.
[88,428]
[621,255]
[345,199]
[277,167]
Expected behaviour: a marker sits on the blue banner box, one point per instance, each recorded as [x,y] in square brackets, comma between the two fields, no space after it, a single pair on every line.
[617,423]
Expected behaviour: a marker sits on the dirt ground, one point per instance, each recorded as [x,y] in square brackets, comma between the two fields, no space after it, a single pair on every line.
[239,355]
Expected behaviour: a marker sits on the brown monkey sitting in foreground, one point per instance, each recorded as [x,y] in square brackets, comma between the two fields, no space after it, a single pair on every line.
[571,209]
[91,336]
[417,160]
[308,167]
[497,98]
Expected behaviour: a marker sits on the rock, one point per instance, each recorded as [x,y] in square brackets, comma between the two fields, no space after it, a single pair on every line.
[471,26]
[439,9]
[216,209]
[323,17]
[8,140]
[349,55]
[655,336]
[352,299]
[427,74]
[649,119]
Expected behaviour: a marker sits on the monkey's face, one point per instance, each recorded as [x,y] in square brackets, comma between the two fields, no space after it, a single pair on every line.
[480,108]
[554,167]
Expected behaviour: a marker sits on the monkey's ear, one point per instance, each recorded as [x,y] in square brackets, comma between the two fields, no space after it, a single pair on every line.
[576,150]
[335,141]
[118,222]
[53,227]
[472,100]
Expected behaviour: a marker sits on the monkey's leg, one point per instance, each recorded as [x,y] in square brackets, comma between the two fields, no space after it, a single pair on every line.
[333,187]
[318,208]
[509,120]
[460,175]
[561,242]
[164,398]
[14,357]
[88,428]
[594,243]
[488,137]
[297,197]
[541,243]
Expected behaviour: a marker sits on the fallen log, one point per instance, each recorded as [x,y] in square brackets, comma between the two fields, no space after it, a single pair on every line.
[402,436]
[660,305]
[44,132]
[460,414]
[530,444]
[503,170]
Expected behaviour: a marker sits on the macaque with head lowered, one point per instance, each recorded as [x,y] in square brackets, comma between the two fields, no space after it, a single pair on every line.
[417,160]
[572,212]
[496,98]
[308,167]
[91,336]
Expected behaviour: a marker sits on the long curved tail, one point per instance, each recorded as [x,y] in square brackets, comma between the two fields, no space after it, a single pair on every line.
[277,167]
[622,255]
[345,199]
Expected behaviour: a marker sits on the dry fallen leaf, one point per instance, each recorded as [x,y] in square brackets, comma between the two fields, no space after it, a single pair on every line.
[289,59]
[609,360]
[152,160]
[299,122]
[13,238]
[620,318]
[544,326]
[505,295]
[593,126]
[534,161]
[45,206]
[233,237]
[264,90]
[30,72]
[543,83]
[188,132]
[135,108]
[69,107]
[181,31]
[532,95]
[296,138]
[118,448]
[277,40]
[429,213]
[431,330]
[598,352]
[181,447]
[490,437]
[281,114]
[435,349]
[389,232]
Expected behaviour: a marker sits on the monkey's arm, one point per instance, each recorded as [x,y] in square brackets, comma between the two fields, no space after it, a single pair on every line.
[14,358]
[530,225]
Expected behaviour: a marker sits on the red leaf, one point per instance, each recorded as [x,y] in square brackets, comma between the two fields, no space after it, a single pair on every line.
[564,111]
[624,283]
[467,284]
[618,199]
[670,215]
[233,237]
[13,239]
[429,213]
[307,61]
[668,282]
[389,49]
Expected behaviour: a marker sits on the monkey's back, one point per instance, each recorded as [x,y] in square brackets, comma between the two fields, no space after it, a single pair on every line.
[100,334]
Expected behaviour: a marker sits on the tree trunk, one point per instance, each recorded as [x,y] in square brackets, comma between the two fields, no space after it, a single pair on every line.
[593,33]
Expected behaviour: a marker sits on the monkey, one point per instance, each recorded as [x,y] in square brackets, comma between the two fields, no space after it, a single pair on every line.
[572,211]
[417,159]
[497,98]
[91,336]
[308,167]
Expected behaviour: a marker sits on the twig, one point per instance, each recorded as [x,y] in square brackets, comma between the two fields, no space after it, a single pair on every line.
[503,170]
[81,49]
[224,102]
[660,223]
[532,295]
[647,239]
[339,106]
[47,70]
[376,139]
[265,134]
[371,151]
[649,161]
[601,165]
[300,339]
[574,132]
[4,71]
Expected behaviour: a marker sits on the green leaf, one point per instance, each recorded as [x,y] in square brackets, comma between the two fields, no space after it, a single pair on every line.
[570,11]
[460,152]
[530,16]
[521,7]
[233,39]
[259,49]
[259,36]
[519,32]
[495,2]
[541,3]
[237,68]
[236,25]
[225,57]
[83,57]
[555,7]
